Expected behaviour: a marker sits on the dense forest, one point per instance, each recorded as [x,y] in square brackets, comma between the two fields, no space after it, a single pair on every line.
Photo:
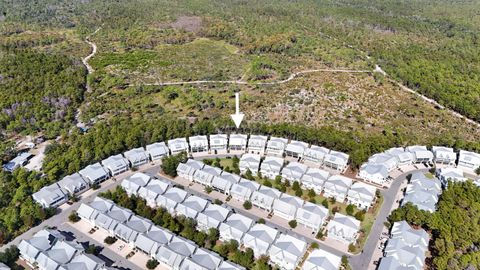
[454,227]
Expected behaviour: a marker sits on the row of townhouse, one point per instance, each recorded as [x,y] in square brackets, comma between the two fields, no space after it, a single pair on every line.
[378,167]
[50,250]
[422,192]
[406,248]
[230,225]
[337,186]
[170,250]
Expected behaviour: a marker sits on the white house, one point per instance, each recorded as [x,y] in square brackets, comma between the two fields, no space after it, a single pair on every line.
[188,169]
[374,173]
[295,149]
[314,179]
[133,183]
[271,167]
[131,229]
[224,182]
[452,174]
[202,259]
[94,173]
[115,164]
[191,206]
[264,198]
[170,199]
[421,153]
[336,160]
[151,241]
[287,251]
[404,158]
[276,146]
[235,227]
[315,154]
[469,160]
[178,145]
[249,162]
[136,156]
[259,238]
[174,253]
[256,144]
[444,155]
[89,212]
[361,195]
[226,265]
[50,196]
[112,218]
[242,191]
[211,217]
[152,190]
[312,216]
[389,161]
[294,171]
[337,187]
[198,144]
[286,206]
[343,228]
[73,184]
[237,143]
[206,174]
[157,151]
[322,260]
[218,143]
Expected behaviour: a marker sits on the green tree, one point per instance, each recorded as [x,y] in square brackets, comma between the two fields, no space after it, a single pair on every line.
[170,163]
[247,205]
[73,217]
[311,193]
[325,203]
[292,223]
[152,264]
[350,209]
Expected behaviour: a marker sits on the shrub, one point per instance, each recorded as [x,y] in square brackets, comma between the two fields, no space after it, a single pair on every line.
[247,205]
[325,203]
[311,193]
[110,240]
[208,189]
[298,193]
[292,223]
[267,183]
[295,185]
[95,186]
[360,215]
[319,235]
[351,248]
[261,221]
[314,245]
[152,263]
[217,201]
[350,209]
[73,217]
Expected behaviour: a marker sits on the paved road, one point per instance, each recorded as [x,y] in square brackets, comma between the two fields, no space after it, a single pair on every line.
[362,260]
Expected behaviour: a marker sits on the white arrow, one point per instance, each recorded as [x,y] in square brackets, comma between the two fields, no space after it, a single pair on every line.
[237,117]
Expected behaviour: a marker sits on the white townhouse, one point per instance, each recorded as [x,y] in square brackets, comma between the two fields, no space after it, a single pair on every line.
[343,228]
[94,173]
[315,154]
[314,179]
[202,259]
[271,167]
[256,144]
[174,253]
[264,198]
[469,160]
[444,155]
[361,195]
[226,265]
[420,198]
[294,171]
[413,237]
[41,241]
[276,146]
[109,220]
[387,160]
[115,164]
[242,191]
[322,260]
[218,143]
[89,212]
[187,170]
[287,251]
[450,174]
[432,185]
[312,216]
[133,183]
[211,217]
[374,173]
[259,238]
[73,184]
[237,143]
[249,162]
[50,196]
[191,206]
[198,144]
[336,160]
[151,241]
[286,206]
[131,229]
[178,145]
[404,158]
[235,227]
[170,199]
[136,157]
[420,153]
[205,175]
[295,149]
[151,191]
[224,182]
[157,151]
[337,187]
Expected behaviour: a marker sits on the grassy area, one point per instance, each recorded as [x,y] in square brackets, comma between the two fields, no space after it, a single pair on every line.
[367,224]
